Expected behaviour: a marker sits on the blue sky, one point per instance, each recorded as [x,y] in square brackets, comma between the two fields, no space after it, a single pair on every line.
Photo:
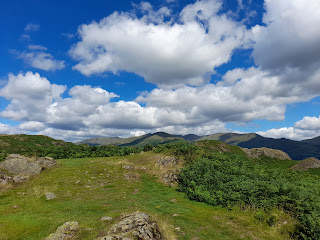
[79,69]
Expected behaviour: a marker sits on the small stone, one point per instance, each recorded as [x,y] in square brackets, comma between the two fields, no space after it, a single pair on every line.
[50,196]
[15,206]
[128,167]
[175,215]
[173,200]
[106,218]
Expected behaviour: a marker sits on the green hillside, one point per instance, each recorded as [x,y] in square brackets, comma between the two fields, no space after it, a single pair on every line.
[202,190]
[88,189]
[27,144]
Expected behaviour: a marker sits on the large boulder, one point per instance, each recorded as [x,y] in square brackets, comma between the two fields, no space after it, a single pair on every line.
[135,226]
[65,231]
[46,162]
[307,164]
[18,164]
[267,152]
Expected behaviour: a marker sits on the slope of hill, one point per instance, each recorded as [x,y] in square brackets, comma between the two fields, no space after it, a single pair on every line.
[107,141]
[150,138]
[230,138]
[297,150]
[27,144]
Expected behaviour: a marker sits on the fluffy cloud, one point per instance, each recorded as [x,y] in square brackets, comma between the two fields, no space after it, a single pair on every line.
[309,123]
[7,129]
[290,133]
[30,94]
[89,111]
[306,128]
[291,35]
[242,96]
[32,126]
[39,59]
[169,53]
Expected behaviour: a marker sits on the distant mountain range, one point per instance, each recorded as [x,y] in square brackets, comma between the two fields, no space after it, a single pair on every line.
[297,150]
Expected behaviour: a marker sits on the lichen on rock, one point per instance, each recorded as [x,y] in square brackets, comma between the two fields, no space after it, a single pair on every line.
[65,231]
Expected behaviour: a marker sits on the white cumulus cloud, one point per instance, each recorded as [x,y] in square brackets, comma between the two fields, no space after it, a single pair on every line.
[168,53]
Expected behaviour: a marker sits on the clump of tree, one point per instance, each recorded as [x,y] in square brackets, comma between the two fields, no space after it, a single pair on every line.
[83,151]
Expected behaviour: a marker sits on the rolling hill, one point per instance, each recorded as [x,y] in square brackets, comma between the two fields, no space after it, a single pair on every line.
[297,150]
[27,144]
[150,138]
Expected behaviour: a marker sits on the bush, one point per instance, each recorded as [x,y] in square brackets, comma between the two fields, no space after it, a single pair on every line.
[232,179]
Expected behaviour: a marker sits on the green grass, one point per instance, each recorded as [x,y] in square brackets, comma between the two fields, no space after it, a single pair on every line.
[103,191]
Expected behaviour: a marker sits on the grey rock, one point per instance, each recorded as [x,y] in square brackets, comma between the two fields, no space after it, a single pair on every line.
[106,218]
[171,177]
[268,152]
[166,160]
[128,168]
[135,226]
[18,164]
[306,164]
[46,162]
[65,231]
[50,196]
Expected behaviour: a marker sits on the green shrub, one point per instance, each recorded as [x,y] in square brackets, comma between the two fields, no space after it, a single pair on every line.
[231,179]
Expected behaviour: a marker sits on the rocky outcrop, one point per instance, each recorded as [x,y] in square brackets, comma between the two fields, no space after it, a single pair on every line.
[306,164]
[65,231]
[135,226]
[267,152]
[164,161]
[171,177]
[17,164]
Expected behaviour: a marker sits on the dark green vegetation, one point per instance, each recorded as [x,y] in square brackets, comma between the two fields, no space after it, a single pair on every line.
[297,150]
[221,175]
[41,146]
